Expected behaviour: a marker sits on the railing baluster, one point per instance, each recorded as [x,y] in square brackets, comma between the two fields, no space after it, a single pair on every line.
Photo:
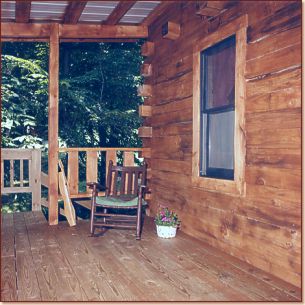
[21,173]
[29,172]
[73,175]
[11,173]
[91,167]
[110,155]
[2,175]
[35,171]
[129,161]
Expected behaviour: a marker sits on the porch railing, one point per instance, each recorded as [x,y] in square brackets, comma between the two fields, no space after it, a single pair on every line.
[21,173]
[92,156]
[21,169]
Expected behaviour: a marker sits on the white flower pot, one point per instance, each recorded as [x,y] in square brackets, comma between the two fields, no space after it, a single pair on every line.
[166,231]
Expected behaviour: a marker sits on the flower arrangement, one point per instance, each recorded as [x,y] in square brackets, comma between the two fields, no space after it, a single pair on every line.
[166,217]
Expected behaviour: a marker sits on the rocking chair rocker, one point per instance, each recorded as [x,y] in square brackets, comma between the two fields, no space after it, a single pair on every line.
[123,192]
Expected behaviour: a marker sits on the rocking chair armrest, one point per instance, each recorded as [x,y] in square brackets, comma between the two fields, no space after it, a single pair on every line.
[95,185]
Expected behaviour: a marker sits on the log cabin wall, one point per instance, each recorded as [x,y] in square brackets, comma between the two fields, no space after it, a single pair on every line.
[262,228]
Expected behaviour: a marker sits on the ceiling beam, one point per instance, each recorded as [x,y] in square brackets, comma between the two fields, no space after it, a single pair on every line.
[156,12]
[24,30]
[72,31]
[121,9]
[74,11]
[23,11]
[102,31]
[98,40]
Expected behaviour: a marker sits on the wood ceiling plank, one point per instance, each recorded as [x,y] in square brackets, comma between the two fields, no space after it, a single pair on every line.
[23,11]
[121,9]
[74,11]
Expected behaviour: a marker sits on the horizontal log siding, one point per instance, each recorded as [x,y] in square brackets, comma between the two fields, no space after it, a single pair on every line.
[264,227]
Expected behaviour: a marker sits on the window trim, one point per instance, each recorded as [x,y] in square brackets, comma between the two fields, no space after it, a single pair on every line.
[206,111]
[237,27]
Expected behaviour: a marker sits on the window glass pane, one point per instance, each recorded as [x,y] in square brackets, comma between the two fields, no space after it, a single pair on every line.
[219,74]
[221,140]
[203,153]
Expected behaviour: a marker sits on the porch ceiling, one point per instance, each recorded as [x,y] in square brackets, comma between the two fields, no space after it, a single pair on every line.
[77,12]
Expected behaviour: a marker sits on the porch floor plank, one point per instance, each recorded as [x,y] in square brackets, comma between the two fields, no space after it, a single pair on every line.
[62,263]
[56,278]
[27,282]
[8,279]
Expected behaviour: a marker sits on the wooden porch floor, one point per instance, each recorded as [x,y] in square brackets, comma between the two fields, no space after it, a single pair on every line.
[63,263]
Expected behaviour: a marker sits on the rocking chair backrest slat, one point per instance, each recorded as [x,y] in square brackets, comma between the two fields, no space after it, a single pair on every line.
[136,181]
[124,180]
[129,184]
[122,186]
[114,184]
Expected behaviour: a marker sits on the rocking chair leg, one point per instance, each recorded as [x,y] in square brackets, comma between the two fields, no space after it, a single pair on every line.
[92,223]
[93,201]
[139,218]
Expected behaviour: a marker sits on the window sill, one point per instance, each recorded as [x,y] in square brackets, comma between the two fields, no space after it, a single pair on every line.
[233,188]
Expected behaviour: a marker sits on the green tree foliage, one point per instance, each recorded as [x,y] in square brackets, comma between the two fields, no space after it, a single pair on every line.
[98,99]
[99,87]
[24,89]
[98,96]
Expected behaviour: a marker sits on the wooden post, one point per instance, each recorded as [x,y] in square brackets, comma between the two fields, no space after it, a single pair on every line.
[35,182]
[53,124]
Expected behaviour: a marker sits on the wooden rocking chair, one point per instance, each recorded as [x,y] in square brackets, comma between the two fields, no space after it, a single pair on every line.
[125,188]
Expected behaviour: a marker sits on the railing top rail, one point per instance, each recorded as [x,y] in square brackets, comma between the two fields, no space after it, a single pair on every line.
[67,149]
[17,153]
[19,149]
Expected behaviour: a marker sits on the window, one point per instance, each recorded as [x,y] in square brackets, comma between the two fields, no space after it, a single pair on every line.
[218,159]
[217,94]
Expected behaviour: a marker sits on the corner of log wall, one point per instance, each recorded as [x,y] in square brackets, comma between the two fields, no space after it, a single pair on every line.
[145,111]
[145,132]
[145,91]
[171,30]
[148,49]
